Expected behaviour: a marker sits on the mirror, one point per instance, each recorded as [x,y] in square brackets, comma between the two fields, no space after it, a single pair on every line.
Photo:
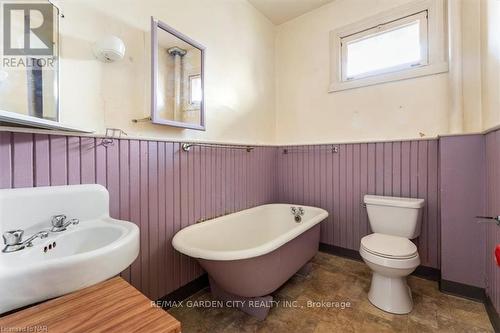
[177,97]
[30,64]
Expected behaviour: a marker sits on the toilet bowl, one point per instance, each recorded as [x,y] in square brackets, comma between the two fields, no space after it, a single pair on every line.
[391,260]
[389,252]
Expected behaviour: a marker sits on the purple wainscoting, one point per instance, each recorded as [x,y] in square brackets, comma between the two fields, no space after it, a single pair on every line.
[162,189]
[337,182]
[462,163]
[153,184]
[492,232]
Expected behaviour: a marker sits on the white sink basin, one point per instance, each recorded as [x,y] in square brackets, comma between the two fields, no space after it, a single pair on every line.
[96,249]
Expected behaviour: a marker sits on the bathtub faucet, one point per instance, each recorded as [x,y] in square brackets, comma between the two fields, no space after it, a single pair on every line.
[297,213]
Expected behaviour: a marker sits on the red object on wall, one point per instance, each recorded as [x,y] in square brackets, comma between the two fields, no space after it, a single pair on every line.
[497,254]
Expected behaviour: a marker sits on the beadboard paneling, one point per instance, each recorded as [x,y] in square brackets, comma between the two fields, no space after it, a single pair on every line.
[153,184]
[337,182]
[493,209]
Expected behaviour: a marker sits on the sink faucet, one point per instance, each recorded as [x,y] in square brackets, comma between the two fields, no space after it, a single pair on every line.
[297,213]
[59,223]
[13,240]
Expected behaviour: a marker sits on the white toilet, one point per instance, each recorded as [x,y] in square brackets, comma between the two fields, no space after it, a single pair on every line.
[389,252]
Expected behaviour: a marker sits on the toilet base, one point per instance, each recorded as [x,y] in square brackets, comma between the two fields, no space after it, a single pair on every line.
[390,294]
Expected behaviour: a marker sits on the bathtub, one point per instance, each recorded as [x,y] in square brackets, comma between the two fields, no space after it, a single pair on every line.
[251,253]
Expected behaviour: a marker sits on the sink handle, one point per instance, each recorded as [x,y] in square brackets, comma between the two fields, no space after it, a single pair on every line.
[58,220]
[13,237]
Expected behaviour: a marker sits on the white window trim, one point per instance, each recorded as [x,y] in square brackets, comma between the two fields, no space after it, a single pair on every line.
[191,102]
[437,52]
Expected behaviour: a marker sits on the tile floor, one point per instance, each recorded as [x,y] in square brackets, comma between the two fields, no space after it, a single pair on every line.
[343,280]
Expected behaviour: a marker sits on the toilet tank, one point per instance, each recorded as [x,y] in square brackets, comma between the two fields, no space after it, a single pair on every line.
[394,216]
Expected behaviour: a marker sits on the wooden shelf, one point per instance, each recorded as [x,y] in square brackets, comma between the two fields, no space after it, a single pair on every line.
[110,306]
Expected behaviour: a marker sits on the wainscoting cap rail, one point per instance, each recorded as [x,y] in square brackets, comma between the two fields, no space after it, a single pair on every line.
[187,146]
[333,148]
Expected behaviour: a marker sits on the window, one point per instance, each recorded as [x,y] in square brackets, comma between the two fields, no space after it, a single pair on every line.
[195,90]
[400,44]
[391,47]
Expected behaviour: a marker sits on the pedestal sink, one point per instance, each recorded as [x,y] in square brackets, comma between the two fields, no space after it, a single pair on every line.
[97,248]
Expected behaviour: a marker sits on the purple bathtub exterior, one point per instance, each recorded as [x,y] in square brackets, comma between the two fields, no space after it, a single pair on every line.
[262,275]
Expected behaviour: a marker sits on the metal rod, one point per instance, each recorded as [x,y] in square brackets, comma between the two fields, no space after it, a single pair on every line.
[187,146]
[333,149]
[141,120]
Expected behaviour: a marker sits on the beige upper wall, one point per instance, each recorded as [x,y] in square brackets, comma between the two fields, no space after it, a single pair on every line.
[239,67]
[267,84]
[307,112]
[490,62]
[471,65]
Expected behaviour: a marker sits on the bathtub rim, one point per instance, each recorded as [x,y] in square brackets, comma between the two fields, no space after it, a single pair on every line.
[263,249]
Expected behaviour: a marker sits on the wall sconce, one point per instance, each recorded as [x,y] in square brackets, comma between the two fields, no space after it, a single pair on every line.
[109,49]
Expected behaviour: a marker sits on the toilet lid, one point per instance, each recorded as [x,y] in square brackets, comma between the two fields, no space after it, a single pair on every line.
[388,246]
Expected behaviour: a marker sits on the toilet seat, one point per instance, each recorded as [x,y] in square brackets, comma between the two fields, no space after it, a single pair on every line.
[389,263]
[388,246]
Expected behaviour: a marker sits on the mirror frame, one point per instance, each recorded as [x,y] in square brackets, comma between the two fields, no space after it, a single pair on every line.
[155,26]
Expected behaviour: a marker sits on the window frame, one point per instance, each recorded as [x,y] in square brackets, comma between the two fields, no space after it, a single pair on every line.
[191,78]
[433,39]
[379,30]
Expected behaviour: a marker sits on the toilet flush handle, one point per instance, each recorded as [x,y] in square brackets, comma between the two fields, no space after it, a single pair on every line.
[492,219]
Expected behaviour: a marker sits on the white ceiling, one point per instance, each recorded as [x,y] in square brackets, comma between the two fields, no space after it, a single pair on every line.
[280,11]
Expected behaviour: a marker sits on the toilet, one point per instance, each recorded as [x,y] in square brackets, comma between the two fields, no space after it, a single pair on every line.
[389,252]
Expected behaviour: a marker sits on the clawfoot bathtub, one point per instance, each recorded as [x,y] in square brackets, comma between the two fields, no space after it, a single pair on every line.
[251,253]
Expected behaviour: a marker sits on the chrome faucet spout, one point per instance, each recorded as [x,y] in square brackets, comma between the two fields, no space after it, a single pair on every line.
[40,234]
